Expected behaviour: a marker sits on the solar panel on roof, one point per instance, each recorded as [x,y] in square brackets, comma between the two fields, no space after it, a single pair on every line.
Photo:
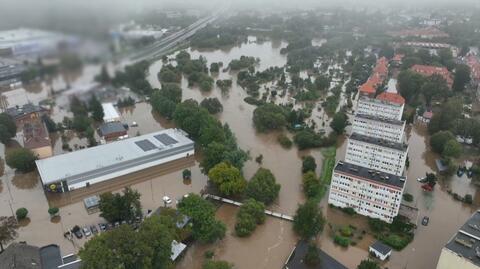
[145,145]
[166,139]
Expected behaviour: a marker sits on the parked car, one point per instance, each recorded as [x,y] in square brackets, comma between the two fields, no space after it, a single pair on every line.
[103,227]
[94,229]
[86,231]
[425,221]
[422,179]
[77,232]
[167,200]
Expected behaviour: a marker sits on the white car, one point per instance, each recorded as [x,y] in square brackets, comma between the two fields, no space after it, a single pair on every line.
[86,231]
[167,200]
[421,179]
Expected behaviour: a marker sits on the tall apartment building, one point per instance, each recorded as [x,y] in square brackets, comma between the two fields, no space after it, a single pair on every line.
[463,249]
[369,192]
[378,127]
[385,105]
[375,153]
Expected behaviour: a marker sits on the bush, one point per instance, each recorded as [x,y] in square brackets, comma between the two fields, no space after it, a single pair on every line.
[311,184]
[213,105]
[53,211]
[341,241]
[346,231]
[284,141]
[349,211]
[269,117]
[397,242]
[407,197]
[22,159]
[263,186]
[468,199]
[308,164]
[307,138]
[21,213]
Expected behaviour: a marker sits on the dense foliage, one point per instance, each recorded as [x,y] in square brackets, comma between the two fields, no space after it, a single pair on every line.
[263,186]
[308,220]
[250,214]
[120,206]
[21,159]
[227,178]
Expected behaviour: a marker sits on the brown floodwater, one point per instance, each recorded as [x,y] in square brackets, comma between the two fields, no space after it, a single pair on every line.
[271,243]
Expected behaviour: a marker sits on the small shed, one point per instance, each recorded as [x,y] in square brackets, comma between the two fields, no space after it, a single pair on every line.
[112,130]
[92,203]
[380,250]
[177,249]
[110,113]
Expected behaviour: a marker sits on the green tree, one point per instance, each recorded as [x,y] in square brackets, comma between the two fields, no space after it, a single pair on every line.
[307,138]
[53,211]
[322,83]
[78,107]
[81,123]
[308,164]
[8,128]
[103,77]
[461,77]
[434,86]
[159,232]
[368,264]
[263,187]
[96,109]
[227,178]
[21,159]
[120,207]
[210,264]
[205,228]
[439,140]
[445,118]
[251,214]
[8,230]
[452,149]
[308,220]
[269,117]
[339,122]
[312,257]
[21,213]
[409,84]
[214,67]
[213,105]
[311,184]
[165,101]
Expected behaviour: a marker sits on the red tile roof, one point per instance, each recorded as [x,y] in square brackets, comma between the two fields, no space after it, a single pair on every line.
[379,74]
[391,97]
[474,64]
[428,70]
[398,57]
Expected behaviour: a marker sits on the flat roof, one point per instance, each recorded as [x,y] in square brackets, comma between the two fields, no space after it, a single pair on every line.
[381,247]
[109,111]
[379,142]
[381,119]
[466,242]
[370,174]
[116,156]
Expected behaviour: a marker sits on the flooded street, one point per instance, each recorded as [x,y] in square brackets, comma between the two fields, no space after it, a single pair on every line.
[271,243]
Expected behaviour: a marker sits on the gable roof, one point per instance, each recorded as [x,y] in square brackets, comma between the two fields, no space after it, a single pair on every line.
[429,70]
[381,248]
[391,97]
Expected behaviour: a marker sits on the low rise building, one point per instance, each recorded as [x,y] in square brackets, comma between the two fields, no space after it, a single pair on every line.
[63,173]
[37,139]
[369,192]
[380,250]
[110,113]
[112,130]
[429,70]
[26,113]
[378,127]
[463,249]
[375,153]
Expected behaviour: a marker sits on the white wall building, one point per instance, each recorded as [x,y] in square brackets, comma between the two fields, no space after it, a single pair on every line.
[369,192]
[85,167]
[378,127]
[375,153]
[381,108]
[110,113]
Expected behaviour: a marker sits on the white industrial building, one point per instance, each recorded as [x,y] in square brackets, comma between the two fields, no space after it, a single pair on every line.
[376,153]
[85,167]
[369,192]
[378,127]
[381,107]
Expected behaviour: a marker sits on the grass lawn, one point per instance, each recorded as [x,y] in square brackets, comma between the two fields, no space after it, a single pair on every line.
[328,165]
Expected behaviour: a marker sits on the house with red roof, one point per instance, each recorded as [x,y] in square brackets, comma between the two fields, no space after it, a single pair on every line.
[473,62]
[379,74]
[429,70]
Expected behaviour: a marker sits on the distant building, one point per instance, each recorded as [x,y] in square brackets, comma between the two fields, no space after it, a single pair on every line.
[377,78]
[463,249]
[62,173]
[375,153]
[380,250]
[377,127]
[474,63]
[369,192]
[426,117]
[397,59]
[110,113]
[32,42]
[37,139]
[427,33]
[429,70]
[26,113]
[112,130]
[10,72]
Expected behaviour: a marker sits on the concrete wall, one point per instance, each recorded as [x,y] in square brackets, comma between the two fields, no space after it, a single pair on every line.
[450,260]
